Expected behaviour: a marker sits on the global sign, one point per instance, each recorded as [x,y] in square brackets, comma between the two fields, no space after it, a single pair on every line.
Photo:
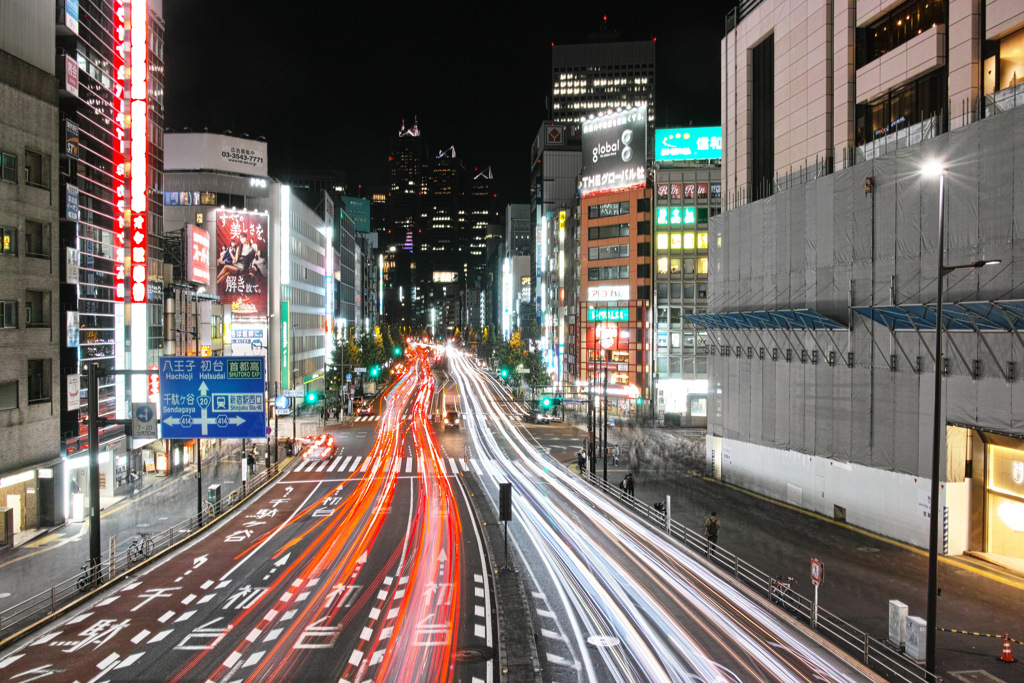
[686,144]
[614,151]
[604,315]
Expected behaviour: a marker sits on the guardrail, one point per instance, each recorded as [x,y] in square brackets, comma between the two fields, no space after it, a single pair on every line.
[122,562]
[877,654]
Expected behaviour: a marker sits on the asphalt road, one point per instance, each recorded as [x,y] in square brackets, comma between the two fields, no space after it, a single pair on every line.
[359,564]
[612,599]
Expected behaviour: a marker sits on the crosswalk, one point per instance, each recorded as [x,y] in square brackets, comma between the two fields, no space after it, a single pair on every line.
[341,464]
[367,418]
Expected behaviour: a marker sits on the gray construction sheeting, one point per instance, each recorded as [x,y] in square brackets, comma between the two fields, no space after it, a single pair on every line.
[830,243]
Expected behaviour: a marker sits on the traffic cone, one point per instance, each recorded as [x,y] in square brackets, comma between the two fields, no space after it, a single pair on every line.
[1007,654]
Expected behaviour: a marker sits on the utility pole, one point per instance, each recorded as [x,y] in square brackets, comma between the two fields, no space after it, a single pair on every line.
[604,440]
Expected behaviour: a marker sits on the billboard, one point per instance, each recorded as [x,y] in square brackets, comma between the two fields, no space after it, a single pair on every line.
[614,151]
[209,151]
[197,259]
[688,144]
[359,211]
[242,262]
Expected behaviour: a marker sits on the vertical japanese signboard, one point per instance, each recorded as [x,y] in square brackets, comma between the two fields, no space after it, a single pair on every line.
[242,262]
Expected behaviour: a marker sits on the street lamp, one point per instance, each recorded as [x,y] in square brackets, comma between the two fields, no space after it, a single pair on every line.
[936,169]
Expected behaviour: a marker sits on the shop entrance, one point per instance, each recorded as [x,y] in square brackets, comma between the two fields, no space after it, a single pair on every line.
[14,502]
[1004,497]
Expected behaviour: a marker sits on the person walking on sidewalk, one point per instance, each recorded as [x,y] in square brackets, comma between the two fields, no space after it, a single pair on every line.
[581,460]
[711,527]
[629,484]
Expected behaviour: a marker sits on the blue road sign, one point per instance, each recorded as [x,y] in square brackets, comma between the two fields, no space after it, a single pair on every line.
[212,398]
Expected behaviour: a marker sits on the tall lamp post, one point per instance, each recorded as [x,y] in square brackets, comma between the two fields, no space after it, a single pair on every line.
[936,169]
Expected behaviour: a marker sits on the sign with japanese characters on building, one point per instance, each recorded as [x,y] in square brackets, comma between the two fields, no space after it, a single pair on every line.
[688,144]
[242,262]
[614,151]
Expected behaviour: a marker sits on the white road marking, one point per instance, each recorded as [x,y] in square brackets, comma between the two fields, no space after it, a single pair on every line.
[140,636]
[334,463]
[166,617]
[355,464]
[108,660]
[130,659]
[254,658]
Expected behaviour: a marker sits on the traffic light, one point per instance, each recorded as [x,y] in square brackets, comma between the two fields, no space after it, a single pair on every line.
[312,397]
[639,400]
[545,402]
[398,351]
[504,373]
[375,371]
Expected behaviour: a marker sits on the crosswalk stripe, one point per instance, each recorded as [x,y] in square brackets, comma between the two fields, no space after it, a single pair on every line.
[322,466]
[334,463]
[476,467]
[344,465]
[408,465]
[355,464]
[455,468]
[465,467]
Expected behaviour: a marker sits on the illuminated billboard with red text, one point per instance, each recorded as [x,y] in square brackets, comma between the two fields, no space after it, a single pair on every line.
[242,262]
[198,258]
[614,151]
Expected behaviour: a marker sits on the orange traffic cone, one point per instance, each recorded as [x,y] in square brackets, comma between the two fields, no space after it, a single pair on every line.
[1007,654]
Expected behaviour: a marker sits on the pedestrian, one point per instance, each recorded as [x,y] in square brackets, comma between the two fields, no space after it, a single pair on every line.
[711,527]
[581,460]
[629,484]
[251,461]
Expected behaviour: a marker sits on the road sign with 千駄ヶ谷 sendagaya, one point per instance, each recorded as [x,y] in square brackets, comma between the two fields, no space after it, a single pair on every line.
[212,398]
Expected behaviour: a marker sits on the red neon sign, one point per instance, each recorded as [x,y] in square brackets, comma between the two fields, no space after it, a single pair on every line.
[137,232]
[120,189]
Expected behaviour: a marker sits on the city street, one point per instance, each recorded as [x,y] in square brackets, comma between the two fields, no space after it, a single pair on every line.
[360,563]
[613,601]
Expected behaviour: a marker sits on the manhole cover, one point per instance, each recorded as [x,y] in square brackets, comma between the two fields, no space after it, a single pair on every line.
[4,595]
[474,654]
[865,549]
[602,641]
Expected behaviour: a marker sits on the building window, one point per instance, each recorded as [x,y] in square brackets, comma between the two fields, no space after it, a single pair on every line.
[675,266]
[662,240]
[643,204]
[8,241]
[897,27]
[643,270]
[606,210]
[643,249]
[608,231]
[8,315]
[702,290]
[663,265]
[37,169]
[900,108]
[39,380]
[643,292]
[8,395]
[762,118]
[37,308]
[8,167]
[702,241]
[610,251]
[37,239]
[688,266]
[608,273]
[702,265]
[643,227]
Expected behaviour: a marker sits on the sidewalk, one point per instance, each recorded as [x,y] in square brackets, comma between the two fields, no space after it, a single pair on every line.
[863,571]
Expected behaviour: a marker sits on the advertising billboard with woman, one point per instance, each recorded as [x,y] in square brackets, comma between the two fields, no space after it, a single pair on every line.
[242,262]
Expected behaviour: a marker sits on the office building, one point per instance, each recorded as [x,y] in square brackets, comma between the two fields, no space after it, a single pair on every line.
[822,296]
[32,266]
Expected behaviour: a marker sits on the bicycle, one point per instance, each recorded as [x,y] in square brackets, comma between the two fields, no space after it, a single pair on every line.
[778,590]
[140,547]
[91,577]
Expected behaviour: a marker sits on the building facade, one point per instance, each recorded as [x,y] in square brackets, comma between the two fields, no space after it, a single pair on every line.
[32,266]
[824,279]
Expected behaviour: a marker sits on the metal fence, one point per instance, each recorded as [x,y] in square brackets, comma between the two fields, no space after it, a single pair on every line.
[877,654]
[123,560]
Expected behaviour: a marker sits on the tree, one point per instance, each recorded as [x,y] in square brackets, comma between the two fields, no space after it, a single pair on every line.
[371,352]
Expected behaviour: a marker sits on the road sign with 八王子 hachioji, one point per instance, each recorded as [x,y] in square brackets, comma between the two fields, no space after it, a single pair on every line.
[212,398]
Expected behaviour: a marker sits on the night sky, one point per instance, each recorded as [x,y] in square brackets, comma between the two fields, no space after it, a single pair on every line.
[329,83]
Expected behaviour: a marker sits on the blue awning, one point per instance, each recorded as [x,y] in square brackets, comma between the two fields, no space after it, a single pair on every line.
[788,319]
[959,317]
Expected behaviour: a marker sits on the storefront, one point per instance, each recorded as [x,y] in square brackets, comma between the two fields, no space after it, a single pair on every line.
[1004,498]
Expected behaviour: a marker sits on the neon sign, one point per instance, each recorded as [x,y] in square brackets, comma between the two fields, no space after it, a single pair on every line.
[137,232]
[120,190]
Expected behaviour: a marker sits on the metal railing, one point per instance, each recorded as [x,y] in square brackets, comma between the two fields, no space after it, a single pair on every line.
[122,561]
[877,654]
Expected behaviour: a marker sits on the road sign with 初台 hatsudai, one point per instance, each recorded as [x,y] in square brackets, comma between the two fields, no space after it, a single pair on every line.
[221,398]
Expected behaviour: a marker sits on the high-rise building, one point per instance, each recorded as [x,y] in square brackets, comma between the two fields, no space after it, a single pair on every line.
[823,290]
[590,78]
[111,108]
[33,265]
